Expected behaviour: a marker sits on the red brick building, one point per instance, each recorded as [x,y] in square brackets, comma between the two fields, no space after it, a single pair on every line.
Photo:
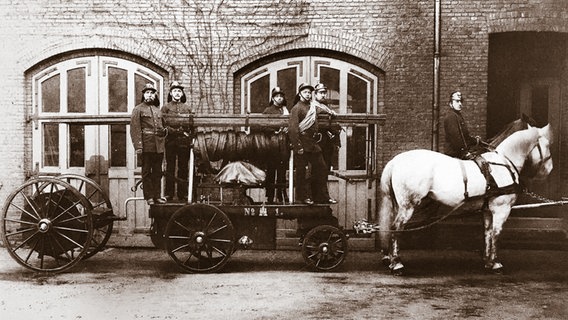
[90,58]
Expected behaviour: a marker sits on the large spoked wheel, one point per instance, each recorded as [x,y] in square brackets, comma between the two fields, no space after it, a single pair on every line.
[103,216]
[200,238]
[324,248]
[47,225]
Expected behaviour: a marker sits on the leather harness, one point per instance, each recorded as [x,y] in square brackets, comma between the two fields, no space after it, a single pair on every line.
[491,188]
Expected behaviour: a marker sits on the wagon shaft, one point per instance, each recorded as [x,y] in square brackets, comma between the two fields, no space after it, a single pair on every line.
[540,205]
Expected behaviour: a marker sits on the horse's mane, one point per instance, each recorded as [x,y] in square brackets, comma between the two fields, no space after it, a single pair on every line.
[517,125]
[528,137]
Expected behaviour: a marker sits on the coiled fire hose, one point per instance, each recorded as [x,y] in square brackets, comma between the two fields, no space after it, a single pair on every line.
[230,145]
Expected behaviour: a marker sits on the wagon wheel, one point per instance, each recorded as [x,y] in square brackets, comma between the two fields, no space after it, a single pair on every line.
[47,225]
[103,216]
[200,238]
[324,248]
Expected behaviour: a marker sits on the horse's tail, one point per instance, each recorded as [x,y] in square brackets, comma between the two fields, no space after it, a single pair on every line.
[388,207]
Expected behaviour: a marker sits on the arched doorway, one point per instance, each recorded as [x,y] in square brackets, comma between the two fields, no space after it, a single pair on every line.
[67,91]
[351,89]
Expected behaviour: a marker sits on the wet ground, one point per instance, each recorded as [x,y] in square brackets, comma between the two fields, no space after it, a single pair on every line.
[147,284]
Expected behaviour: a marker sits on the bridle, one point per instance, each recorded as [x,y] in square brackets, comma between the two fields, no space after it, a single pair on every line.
[542,158]
[541,163]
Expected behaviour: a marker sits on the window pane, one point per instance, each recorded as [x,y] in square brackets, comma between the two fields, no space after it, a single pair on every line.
[117,90]
[356,148]
[76,90]
[51,145]
[259,94]
[76,145]
[286,79]
[356,94]
[50,96]
[330,77]
[356,136]
[118,145]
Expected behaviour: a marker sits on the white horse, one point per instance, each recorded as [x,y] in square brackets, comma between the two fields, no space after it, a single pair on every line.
[412,176]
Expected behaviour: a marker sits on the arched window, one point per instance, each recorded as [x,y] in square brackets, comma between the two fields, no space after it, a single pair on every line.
[351,89]
[72,89]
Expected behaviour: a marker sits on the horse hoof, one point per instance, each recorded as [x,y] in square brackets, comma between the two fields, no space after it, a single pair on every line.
[397,269]
[398,272]
[498,270]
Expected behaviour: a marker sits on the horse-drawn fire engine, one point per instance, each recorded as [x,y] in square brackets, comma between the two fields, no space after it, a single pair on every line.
[50,223]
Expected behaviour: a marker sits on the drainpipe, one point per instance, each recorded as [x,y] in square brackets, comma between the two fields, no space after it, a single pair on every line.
[436,89]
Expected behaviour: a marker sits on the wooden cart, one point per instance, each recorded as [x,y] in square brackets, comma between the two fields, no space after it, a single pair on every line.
[50,223]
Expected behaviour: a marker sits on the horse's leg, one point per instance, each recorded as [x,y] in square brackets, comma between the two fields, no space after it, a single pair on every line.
[385,260]
[404,214]
[488,236]
[500,213]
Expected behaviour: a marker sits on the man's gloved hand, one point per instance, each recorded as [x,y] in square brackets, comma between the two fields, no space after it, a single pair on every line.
[162,133]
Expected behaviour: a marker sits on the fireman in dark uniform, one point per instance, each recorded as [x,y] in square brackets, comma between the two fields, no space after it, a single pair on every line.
[304,137]
[148,132]
[178,145]
[276,166]
[459,142]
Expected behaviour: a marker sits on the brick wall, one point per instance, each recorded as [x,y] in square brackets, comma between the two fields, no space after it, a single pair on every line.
[217,40]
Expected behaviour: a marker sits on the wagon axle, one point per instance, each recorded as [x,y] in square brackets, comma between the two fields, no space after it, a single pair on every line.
[44,225]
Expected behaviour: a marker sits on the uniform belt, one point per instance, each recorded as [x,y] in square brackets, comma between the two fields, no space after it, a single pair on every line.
[150,131]
[316,136]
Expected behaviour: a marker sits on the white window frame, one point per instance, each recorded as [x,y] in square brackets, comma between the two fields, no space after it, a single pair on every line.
[308,70]
[96,100]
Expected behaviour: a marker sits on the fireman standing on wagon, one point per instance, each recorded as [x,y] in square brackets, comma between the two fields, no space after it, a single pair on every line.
[276,167]
[148,133]
[304,137]
[329,142]
[178,143]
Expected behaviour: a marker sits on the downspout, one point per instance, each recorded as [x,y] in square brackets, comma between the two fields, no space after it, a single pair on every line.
[436,86]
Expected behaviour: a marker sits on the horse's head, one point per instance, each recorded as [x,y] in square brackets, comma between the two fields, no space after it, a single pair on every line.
[539,161]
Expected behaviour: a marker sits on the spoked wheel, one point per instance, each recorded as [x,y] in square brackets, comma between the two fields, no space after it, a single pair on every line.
[47,225]
[103,216]
[324,248]
[200,238]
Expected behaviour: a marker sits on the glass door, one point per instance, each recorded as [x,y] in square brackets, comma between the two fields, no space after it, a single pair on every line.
[93,87]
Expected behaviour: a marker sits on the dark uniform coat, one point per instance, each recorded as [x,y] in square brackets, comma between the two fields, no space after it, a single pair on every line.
[458,140]
[177,137]
[147,128]
[304,140]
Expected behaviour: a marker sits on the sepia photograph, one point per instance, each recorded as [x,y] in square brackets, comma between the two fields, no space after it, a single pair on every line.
[284,159]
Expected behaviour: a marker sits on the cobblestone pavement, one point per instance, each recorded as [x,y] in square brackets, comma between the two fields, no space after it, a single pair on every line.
[123,283]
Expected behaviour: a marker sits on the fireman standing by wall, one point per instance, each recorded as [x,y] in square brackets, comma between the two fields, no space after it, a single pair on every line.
[148,132]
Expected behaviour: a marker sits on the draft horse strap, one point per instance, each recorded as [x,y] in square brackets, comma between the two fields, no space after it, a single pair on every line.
[464,175]
[491,189]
